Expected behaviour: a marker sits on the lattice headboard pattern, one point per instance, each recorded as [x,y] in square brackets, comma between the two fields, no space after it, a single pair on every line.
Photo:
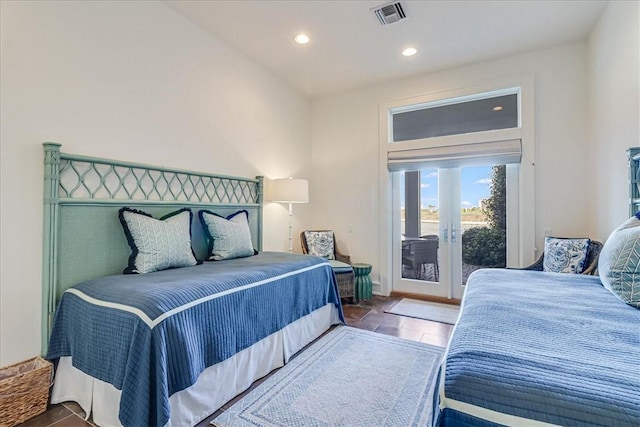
[83,238]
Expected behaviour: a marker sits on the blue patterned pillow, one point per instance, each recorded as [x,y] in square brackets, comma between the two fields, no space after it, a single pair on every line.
[320,243]
[157,244]
[565,255]
[619,262]
[228,237]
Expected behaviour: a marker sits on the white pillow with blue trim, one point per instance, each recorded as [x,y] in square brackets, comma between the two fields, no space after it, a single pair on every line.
[619,262]
[157,244]
[228,237]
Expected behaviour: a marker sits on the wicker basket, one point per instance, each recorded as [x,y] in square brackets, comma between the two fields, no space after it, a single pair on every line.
[346,284]
[24,391]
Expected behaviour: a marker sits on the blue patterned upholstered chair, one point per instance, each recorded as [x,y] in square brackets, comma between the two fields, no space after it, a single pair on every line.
[557,251]
[322,243]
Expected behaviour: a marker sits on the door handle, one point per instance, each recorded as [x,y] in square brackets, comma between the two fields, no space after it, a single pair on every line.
[445,234]
[453,234]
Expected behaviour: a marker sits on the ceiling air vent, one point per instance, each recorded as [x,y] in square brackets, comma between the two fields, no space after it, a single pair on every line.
[390,13]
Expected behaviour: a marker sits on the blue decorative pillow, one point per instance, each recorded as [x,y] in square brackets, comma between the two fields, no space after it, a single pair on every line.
[565,255]
[320,243]
[619,262]
[228,237]
[157,244]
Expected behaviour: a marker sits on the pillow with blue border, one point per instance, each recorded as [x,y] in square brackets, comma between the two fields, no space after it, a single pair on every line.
[157,244]
[228,237]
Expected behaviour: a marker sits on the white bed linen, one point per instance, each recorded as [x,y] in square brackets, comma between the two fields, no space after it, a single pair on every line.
[216,385]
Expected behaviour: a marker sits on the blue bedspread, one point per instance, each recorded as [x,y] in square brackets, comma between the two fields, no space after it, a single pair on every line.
[151,335]
[556,348]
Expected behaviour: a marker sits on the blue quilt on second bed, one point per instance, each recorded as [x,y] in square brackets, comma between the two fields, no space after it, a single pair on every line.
[151,335]
[551,347]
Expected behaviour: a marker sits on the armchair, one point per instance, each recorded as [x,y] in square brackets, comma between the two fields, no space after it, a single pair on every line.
[322,243]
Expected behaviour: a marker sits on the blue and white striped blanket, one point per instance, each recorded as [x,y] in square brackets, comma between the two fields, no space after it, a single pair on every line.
[151,335]
[551,347]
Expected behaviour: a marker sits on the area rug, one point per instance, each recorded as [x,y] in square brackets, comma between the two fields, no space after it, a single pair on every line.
[349,377]
[445,313]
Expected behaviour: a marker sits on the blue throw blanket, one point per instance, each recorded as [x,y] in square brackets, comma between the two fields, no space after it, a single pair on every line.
[551,347]
[151,335]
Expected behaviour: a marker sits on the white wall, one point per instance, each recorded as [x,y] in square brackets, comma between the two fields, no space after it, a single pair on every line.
[136,81]
[132,81]
[614,110]
[345,146]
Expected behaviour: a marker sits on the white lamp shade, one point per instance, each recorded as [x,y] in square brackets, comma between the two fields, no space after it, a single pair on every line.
[289,190]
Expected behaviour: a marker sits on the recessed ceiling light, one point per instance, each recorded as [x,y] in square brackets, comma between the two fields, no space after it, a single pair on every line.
[301,39]
[497,108]
[410,51]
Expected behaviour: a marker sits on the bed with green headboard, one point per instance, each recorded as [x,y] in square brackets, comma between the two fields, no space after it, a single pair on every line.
[82,196]
[84,243]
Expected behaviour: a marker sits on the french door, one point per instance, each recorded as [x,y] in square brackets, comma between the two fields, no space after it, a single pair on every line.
[432,208]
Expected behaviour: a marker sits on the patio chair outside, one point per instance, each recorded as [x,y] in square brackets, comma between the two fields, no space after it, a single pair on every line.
[417,254]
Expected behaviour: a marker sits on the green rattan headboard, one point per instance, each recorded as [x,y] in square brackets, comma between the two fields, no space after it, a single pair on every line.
[83,237]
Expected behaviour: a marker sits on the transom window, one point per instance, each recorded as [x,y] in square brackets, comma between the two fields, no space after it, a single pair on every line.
[482,112]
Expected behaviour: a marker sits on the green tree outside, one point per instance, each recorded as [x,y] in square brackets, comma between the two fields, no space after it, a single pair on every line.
[486,246]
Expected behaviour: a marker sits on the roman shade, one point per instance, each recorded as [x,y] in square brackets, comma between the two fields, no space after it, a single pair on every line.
[483,153]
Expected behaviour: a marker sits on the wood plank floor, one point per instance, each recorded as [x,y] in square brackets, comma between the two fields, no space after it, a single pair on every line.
[367,315]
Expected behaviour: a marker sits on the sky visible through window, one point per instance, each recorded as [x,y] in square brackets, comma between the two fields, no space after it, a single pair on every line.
[475,185]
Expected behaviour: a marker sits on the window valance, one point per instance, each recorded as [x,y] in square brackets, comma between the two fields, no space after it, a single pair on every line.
[482,153]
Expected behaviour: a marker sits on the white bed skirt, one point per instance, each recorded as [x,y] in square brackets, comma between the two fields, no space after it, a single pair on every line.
[216,385]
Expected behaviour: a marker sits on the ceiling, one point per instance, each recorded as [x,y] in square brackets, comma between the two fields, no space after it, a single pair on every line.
[349,48]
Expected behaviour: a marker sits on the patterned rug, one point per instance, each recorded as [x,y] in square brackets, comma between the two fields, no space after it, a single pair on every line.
[349,377]
[445,313]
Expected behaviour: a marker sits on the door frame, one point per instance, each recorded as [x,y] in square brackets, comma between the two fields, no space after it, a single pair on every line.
[525,173]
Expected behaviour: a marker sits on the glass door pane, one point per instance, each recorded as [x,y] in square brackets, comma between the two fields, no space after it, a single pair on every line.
[483,218]
[420,217]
